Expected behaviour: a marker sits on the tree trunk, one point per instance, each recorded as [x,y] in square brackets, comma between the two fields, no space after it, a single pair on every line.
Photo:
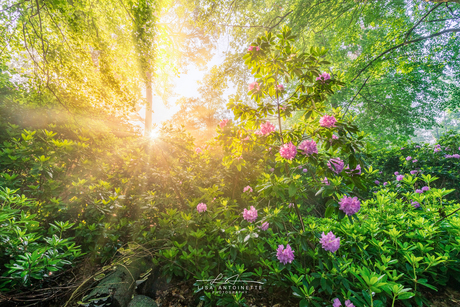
[148,109]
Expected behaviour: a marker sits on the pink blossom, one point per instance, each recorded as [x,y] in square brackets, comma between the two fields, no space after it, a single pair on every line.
[285,255]
[308,147]
[325,181]
[348,303]
[223,123]
[396,173]
[272,169]
[356,171]
[335,165]
[279,87]
[408,158]
[254,86]
[250,215]
[246,189]
[198,150]
[330,242]
[304,170]
[335,137]
[253,47]
[201,207]
[336,303]
[425,188]
[291,205]
[288,151]
[323,77]
[418,191]
[437,150]
[327,121]
[414,161]
[246,138]
[456,156]
[413,172]
[399,177]
[267,128]
[264,226]
[415,204]
[377,182]
[349,205]
[385,183]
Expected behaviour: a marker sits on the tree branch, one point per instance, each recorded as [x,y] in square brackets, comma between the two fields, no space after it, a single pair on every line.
[418,22]
[403,44]
[362,86]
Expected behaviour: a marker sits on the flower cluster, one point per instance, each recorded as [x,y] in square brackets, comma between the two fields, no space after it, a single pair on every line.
[323,77]
[377,182]
[330,242]
[413,172]
[253,86]
[415,204]
[456,156]
[223,123]
[336,165]
[285,255]
[266,129]
[264,226]
[201,207]
[257,48]
[308,147]
[250,215]
[337,303]
[327,121]
[246,189]
[279,87]
[399,177]
[325,181]
[356,171]
[349,205]
[408,158]
[288,151]
[198,150]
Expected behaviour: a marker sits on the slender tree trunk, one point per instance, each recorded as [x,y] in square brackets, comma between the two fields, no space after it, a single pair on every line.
[148,109]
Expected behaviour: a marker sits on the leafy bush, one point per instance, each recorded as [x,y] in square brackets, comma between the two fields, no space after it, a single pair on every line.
[28,252]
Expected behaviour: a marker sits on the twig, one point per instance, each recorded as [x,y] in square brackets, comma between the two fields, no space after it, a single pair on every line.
[418,22]
[362,86]
[445,217]
[403,44]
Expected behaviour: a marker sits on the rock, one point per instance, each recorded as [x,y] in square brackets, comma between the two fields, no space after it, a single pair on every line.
[142,301]
[117,288]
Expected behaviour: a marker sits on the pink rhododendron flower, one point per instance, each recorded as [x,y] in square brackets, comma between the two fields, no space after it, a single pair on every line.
[415,204]
[417,146]
[288,151]
[325,181]
[323,77]
[308,147]
[285,255]
[223,123]
[456,156]
[198,150]
[418,191]
[377,182]
[413,172]
[336,303]
[348,303]
[425,188]
[350,205]
[329,242]
[399,177]
[414,161]
[272,169]
[291,205]
[246,189]
[437,150]
[250,215]
[408,158]
[253,86]
[246,138]
[304,170]
[264,226]
[335,137]
[358,168]
[267,128]
[336,165]
[279,87]
[385,183]
[448,156]
[201,207]
[396,173]
[257,48]
[327,121]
